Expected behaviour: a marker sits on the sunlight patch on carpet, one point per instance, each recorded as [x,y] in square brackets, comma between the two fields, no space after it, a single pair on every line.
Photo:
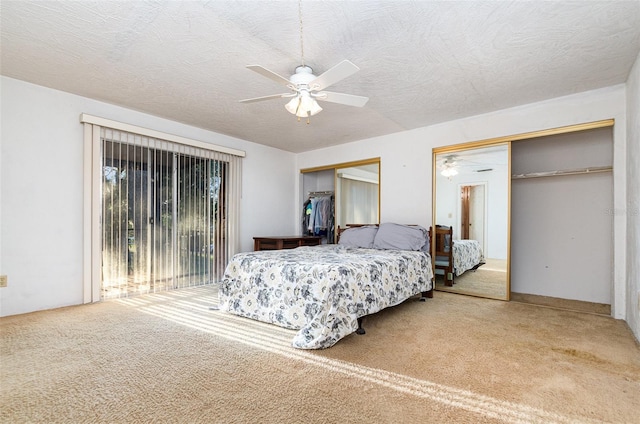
[194,312]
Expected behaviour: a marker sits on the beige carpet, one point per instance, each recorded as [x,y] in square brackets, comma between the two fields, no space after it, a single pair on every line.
[454,359]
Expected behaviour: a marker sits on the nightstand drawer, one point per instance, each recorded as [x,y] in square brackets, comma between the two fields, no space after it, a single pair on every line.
[284,242]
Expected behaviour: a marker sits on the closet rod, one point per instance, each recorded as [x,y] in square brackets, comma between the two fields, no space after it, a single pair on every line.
[592,170]
[319,193]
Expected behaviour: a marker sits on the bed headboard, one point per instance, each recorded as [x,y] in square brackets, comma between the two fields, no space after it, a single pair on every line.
[444,239]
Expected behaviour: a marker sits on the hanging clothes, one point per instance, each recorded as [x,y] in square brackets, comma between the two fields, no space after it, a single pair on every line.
[307,210]
[317,216]
[322,211]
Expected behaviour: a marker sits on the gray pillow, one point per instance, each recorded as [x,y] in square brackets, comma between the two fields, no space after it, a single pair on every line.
[400,237]
[358,237]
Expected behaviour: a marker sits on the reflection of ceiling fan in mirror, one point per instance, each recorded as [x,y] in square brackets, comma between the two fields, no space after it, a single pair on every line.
[452,165]
[448,166]
[306,87]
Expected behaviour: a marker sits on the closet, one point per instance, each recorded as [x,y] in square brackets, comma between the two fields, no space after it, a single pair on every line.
[553,216]
[317,212]
[561,216]
[339,194]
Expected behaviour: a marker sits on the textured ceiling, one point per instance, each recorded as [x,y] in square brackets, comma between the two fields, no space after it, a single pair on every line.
[421,62]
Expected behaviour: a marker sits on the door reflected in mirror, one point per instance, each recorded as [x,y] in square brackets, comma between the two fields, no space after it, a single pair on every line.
[470,237]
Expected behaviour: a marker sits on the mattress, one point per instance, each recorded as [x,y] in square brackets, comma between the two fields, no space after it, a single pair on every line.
[321,290]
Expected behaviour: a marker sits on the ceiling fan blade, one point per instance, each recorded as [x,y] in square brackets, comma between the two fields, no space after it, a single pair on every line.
[271,75]
[345,99]
[273,96]
[339,72]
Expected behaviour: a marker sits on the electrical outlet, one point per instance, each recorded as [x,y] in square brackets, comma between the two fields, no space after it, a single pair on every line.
[3,281]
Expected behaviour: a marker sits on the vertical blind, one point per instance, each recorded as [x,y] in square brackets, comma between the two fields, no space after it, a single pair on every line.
[168,213]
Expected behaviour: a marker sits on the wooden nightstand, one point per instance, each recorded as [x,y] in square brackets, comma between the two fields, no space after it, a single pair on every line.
[284,242]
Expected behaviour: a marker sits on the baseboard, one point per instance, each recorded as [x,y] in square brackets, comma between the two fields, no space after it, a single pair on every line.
[558,303]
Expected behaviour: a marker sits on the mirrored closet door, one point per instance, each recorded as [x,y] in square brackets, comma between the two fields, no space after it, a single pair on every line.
[471,210]
[358,194]
[353,189]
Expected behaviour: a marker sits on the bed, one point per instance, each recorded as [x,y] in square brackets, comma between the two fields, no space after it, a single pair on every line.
[454,257]
[325,291]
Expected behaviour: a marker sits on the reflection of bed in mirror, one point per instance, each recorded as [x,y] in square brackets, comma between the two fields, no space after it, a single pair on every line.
[454,257]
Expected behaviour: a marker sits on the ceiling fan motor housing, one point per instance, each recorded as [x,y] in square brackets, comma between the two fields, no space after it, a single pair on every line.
[303,76]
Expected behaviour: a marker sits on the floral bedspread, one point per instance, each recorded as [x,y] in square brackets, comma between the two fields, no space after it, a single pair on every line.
[466,255]
[321,290]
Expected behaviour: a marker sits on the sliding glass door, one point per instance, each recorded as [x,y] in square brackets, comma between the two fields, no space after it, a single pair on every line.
[163,215]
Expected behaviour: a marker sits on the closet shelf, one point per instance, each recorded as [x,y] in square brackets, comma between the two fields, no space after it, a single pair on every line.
[591,170]
[320,193]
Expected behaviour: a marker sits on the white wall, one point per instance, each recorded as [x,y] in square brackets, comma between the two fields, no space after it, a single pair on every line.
[406,158]
[632,208]
[41,188]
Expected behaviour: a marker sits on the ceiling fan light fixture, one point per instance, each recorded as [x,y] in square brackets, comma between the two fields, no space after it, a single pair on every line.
[292,105]
[449,172]
[303,106]
[308,106]
[449,167]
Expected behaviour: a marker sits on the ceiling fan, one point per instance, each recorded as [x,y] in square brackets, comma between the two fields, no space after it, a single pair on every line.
[305,87]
